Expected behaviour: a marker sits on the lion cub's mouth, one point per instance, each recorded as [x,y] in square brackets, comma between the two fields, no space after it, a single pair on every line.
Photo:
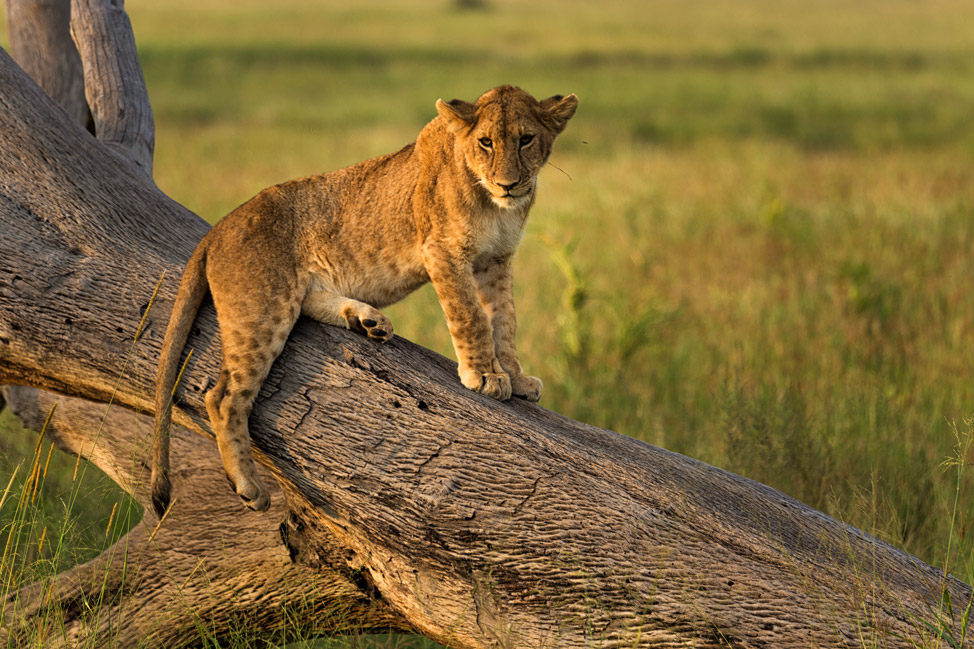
[509,197]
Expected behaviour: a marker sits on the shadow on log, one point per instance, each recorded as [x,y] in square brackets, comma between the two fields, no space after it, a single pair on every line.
[477,523]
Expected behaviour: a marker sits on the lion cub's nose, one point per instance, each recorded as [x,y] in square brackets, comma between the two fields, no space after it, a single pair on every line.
[507,186]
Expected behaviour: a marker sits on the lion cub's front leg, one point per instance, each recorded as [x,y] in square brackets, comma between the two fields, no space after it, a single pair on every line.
[454,283]
[496,287]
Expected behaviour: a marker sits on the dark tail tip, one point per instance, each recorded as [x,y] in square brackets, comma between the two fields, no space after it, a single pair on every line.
[161,495]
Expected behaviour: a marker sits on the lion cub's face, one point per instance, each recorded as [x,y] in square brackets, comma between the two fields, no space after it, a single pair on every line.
[506,138]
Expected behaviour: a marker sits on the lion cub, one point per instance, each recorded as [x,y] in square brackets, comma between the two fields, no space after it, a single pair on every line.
[448,209]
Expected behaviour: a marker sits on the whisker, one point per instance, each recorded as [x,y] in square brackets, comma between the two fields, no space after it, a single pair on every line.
[561,170]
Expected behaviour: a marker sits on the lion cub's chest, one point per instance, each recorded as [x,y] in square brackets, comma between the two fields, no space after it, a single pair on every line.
[494,234]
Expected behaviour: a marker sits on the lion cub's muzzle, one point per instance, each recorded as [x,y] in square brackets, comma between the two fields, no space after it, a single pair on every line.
[509,194]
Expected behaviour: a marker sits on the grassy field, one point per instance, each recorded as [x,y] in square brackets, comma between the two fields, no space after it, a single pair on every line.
[755,245]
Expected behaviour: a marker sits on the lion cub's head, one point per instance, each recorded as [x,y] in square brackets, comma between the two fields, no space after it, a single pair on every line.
[506,138]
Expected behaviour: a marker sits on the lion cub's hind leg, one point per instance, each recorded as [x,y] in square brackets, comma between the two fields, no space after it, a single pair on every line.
[253,334]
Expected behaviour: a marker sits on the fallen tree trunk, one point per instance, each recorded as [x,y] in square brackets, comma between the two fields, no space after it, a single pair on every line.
[480,524]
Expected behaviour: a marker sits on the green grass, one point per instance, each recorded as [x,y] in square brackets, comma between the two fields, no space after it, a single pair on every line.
[72,520]
[757,245]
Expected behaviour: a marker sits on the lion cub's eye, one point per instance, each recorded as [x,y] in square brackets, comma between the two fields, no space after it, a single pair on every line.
[526,140]
[486,142]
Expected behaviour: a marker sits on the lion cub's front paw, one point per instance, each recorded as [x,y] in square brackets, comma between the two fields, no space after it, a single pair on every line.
[493,384]
[526,387]
[496,385]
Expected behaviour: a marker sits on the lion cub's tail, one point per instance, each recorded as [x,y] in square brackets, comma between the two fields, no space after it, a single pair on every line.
[192,289]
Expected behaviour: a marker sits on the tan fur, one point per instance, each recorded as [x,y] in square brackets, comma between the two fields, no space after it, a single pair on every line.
[449,208]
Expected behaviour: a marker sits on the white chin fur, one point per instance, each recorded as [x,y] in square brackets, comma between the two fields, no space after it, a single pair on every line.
[509,202]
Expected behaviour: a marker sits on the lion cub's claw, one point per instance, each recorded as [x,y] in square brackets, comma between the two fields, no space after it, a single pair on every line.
[526,387]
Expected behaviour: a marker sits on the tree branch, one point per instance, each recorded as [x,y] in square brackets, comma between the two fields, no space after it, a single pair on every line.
[114,85]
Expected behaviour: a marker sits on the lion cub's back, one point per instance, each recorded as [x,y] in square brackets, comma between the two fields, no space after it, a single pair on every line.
[356,231]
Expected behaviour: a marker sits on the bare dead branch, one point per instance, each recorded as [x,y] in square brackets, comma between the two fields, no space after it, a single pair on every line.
[114,85]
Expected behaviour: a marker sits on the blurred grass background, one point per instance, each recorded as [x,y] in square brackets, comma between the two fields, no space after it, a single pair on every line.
[755,244]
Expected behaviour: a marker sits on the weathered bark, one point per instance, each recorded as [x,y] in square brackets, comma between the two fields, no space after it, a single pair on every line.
[479,523]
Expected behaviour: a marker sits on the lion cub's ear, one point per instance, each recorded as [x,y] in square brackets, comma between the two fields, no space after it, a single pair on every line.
[460,115]
[558,110]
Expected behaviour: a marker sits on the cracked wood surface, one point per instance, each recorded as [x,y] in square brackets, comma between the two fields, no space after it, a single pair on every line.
[483,524]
